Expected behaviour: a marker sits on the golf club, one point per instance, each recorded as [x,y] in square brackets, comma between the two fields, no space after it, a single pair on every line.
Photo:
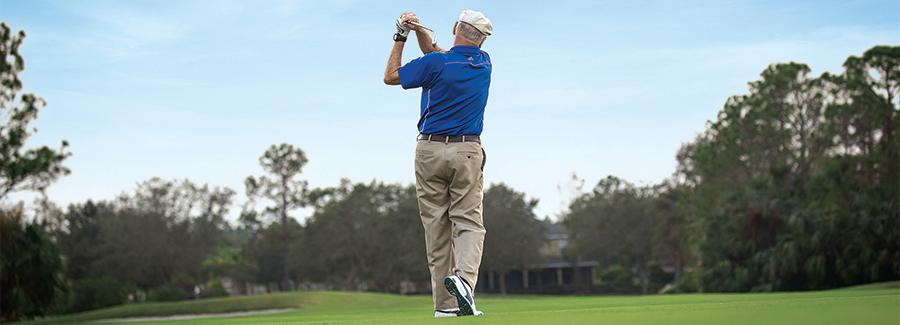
[433,33]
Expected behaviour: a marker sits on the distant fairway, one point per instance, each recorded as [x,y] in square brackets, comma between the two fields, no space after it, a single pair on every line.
[872,304]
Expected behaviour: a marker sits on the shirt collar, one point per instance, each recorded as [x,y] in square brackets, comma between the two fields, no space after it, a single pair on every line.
[465,49]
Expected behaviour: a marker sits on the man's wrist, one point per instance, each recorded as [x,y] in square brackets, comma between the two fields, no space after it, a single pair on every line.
[399,37]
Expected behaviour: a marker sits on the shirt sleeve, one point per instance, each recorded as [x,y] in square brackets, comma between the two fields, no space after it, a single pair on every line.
[421,72]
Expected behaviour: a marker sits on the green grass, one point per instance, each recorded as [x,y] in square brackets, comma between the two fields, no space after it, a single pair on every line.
[870,304]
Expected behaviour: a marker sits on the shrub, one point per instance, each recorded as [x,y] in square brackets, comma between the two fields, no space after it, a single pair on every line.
[32,282]
[167,293]
[214,288]
[616,275]
[94,293]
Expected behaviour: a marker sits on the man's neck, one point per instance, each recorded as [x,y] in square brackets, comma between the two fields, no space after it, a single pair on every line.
[461,42]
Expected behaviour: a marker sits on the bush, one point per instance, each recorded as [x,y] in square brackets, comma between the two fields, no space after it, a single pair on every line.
[32,282]
[616,275]
[617,279]
[214,288]
[94,293]
[689,282]
[167,293]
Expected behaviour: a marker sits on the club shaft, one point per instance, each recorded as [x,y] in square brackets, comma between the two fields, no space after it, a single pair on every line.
[419,25]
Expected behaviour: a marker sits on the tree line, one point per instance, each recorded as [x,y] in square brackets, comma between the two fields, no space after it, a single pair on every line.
[793,186]
[169,240]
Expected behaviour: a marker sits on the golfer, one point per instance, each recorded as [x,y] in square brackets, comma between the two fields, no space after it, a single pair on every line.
[449,159]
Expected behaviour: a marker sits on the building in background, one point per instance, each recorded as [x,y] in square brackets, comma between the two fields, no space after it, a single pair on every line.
[555,274]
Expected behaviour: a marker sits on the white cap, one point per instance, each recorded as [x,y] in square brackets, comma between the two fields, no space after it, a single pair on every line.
[477,20]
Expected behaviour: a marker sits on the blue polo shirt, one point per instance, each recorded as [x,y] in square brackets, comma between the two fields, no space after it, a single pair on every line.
[454,89]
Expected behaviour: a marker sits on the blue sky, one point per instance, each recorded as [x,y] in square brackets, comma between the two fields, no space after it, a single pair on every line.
[199,89]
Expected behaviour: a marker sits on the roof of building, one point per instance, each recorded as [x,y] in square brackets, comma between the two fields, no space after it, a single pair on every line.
[555,229]
[556,262]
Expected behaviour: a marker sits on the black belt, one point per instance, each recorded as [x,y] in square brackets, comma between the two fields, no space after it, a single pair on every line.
[450,138]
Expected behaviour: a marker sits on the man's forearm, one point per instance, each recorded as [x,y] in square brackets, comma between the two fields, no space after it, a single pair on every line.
[391,76]
[426,43]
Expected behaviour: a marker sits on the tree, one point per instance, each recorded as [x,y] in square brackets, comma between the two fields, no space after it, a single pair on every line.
[32,282]
[795,184]
[20,169]
[153,240]
[615,225]
[264,252]
[753,167]
[365,236]
[283,163]
[514,235]
[163,231]
[884,84]
[80,241]
[82,244]
[31,266]
[671,230]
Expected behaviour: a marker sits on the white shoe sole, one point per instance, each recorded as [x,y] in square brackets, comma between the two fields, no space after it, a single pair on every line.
[456,288]
[438,314]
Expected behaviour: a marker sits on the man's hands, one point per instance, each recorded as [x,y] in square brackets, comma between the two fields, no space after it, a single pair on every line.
[403,26]
[391,76]
[409,17]
[409,21]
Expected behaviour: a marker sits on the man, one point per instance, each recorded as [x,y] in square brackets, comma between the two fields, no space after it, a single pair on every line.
[449,159]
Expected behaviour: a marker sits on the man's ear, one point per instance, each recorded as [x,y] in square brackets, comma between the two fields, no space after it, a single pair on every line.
[454,27]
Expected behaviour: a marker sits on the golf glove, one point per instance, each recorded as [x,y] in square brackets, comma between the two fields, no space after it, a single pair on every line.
[402,30]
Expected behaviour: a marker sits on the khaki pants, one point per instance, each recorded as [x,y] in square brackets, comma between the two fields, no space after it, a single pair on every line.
[449,184]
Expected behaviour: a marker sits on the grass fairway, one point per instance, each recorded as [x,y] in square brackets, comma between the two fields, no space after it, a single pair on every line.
[873,304]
